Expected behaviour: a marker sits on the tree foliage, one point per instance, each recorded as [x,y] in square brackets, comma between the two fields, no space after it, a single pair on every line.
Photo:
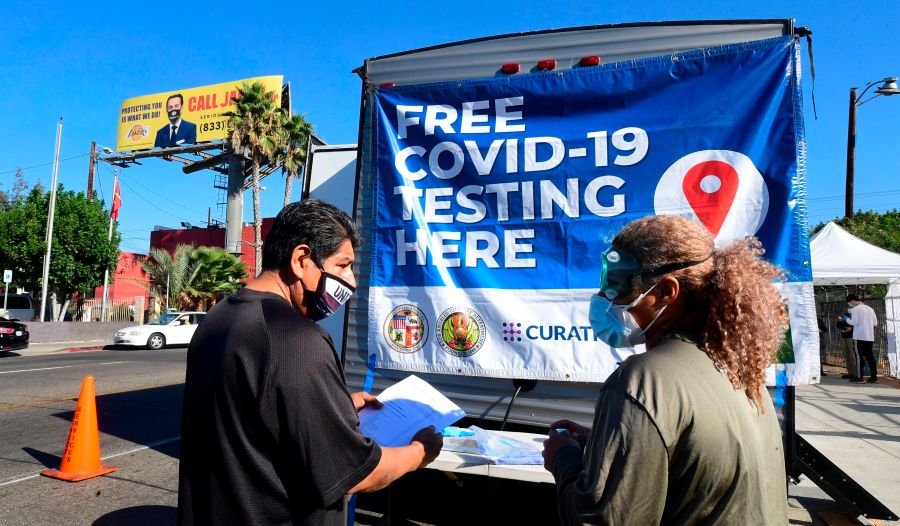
[214,273]
[293,138]
[80,253]
[254,127]
[16,193]
[881,229]
[193,278]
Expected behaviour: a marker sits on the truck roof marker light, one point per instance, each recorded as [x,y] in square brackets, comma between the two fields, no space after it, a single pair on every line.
[386,85]
[592,60]
[546,65]
[510,69]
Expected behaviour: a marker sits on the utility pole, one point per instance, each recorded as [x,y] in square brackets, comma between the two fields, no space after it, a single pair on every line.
[50,213]
[888,88]
[90,188]
[112,219]
[851,155]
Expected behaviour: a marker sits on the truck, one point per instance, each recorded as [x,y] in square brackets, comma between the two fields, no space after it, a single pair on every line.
[528,403]
[491,173]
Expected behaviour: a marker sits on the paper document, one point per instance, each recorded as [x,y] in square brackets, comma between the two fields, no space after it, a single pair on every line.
[409,405]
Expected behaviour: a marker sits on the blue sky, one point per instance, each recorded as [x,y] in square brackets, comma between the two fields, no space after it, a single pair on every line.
[80,61]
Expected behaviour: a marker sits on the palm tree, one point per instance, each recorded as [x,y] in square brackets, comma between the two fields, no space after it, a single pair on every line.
[254,124]
[192,276]
[293,139]
[215,273]
[169,273]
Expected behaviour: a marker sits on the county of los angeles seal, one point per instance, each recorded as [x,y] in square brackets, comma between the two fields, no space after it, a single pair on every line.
[461,331]
[406,329]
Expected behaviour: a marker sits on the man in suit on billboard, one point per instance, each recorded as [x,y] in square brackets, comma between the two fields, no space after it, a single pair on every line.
[178,132]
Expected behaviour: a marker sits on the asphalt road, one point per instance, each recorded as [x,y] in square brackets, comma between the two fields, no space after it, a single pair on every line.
[138,396]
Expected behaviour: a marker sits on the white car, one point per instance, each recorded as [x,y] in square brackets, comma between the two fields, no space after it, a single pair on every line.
[172,328]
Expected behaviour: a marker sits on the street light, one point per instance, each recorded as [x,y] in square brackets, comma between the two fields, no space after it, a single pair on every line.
[888,87]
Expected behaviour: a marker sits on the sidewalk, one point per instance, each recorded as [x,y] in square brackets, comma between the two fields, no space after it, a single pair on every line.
[857,426]
[35,349]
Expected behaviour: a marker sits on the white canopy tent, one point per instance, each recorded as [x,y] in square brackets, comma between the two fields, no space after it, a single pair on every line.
[840,258]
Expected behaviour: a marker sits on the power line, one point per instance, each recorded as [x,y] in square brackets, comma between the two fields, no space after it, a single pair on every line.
[859,194]
[166,198]
[151,203]
[44,164]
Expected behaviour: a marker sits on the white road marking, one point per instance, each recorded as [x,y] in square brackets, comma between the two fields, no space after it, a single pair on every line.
[35,474]
[59,367]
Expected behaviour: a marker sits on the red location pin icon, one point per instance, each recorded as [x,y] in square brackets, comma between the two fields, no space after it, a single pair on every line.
[710,188]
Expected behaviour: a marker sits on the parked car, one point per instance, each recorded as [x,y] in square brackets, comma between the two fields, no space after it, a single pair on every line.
[18,307]
[13,335]
[172,328]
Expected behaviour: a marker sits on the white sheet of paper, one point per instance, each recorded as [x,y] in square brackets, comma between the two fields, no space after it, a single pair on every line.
[409,405]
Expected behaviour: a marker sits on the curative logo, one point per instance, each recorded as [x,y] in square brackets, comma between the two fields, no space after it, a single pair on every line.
[461,331]
[406,329]
[512,332]
[721,189]
[559,333]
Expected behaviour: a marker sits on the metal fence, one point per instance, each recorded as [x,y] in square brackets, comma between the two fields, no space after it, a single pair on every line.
[834,346]
[116,310]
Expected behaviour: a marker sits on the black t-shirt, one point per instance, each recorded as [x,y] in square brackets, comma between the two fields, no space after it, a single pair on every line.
[269,432]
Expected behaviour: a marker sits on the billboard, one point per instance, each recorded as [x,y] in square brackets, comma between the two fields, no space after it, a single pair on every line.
[181,117]
[494,198]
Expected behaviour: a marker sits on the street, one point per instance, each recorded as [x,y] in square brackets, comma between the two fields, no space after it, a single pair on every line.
[139,397]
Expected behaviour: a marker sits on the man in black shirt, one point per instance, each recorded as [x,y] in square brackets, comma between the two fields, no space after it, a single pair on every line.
[270,434]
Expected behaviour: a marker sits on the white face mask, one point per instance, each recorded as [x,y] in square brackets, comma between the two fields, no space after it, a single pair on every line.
[615,326]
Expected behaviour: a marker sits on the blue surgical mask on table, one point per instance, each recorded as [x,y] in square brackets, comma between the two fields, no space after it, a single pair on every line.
[614,325]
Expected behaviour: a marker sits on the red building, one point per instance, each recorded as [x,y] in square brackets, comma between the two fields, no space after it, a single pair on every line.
[210,237]
[129,279]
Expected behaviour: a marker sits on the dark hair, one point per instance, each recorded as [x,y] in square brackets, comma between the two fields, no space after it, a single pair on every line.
[173,96]
[311,222]
[853,297]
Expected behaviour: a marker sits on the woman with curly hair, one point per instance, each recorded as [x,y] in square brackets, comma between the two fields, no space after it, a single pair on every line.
[685,433]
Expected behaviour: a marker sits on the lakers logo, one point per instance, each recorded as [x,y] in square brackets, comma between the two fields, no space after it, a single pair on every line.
[138,132]
[461,331]
[406,329]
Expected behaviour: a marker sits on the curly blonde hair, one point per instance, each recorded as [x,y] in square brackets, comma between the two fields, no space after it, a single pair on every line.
[746,317]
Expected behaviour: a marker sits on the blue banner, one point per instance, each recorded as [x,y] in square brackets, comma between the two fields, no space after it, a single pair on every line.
[519,183]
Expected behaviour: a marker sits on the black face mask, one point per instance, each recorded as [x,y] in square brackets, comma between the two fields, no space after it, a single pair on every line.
[329,296]
[174,115]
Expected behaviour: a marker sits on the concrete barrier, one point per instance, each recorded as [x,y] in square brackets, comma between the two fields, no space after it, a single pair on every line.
[69,331]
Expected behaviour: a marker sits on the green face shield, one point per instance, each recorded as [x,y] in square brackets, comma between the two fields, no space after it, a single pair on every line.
[619,274]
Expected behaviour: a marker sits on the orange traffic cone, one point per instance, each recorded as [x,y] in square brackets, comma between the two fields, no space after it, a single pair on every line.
[81,459]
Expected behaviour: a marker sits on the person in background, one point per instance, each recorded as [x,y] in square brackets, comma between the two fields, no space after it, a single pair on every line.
[178,132]
[823,332]
[863,320]
[684,433]
[270,434]
[850,356]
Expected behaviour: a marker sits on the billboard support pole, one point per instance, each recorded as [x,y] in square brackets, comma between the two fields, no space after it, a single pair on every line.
[234,209]
[50,214]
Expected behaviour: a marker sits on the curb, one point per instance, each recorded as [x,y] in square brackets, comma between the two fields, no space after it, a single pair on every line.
[78,349]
